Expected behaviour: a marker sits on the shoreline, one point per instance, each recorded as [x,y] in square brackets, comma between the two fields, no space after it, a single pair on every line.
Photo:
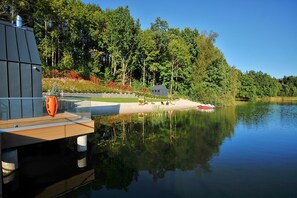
[108,108]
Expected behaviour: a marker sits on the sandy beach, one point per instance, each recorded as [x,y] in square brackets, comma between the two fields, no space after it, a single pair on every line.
[106,108]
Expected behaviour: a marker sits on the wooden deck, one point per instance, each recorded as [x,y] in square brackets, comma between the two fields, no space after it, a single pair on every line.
[61,117]
[26,131]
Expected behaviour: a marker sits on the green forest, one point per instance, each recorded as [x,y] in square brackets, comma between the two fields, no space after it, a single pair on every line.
[111,45]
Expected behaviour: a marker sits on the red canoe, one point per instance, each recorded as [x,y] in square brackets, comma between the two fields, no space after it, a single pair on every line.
[206,106]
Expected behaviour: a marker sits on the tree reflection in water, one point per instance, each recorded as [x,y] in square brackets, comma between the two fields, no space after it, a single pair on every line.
[124,145]
[253,113]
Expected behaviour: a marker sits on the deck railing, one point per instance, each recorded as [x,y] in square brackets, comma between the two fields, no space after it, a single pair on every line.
[16,112]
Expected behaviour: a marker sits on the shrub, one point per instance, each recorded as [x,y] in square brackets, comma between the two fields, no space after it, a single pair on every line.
[73,75]
[143,90]
[94,79]
[127,88]
[55,90]
[111,84]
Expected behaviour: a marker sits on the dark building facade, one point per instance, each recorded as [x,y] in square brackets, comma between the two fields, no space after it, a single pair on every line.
[20,73]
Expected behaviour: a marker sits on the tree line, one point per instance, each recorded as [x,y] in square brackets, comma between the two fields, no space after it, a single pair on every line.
[111,45]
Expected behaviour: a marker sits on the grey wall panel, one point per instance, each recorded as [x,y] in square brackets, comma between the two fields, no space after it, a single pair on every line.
[2,43]
[23,47]
[38,107]
[27,108]
[18,56]
[4,109]
[3,79]
[14,80]
[37,85]
[15,108]
[12,50]
[33,48]
[26,84]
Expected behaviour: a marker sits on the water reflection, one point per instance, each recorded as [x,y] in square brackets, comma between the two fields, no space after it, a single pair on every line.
[48,170]
[264,114]
[157,142]
[170,154]
[288,114]
[253,113]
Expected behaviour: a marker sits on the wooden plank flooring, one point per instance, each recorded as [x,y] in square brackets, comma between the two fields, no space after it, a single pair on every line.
[61,117]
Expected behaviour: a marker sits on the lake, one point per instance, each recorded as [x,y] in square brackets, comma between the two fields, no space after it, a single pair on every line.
[247,151]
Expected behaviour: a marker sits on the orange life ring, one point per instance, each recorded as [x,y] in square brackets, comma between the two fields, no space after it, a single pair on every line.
[51,105]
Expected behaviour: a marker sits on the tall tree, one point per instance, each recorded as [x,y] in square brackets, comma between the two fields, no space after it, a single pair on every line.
[120,37]
[180,59]
[207,53]
[190,36]
[147,52]
[160,33]
[288,86]
[247,89]
[9,9]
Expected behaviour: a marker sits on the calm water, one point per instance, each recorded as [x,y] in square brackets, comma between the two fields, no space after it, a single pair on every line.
[248,151]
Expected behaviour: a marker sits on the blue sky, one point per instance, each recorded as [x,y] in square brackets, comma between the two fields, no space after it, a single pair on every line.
[258,35]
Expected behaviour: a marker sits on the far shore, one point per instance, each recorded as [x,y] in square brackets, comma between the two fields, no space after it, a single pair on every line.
[108,108]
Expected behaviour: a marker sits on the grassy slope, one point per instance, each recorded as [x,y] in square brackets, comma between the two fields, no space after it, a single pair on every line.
[84,85]
[69,85]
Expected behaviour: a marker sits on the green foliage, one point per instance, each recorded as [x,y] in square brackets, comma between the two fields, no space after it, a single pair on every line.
[137,85]
[257,85]
[67,60]
[146,53]
[247,90]
[216,77]
[288,86]
[9,9]
[207,53]
[218,84]
[55,90]
[189,36]
[110,46]
[120,37]
[180,60]
[266,86]
[107,75]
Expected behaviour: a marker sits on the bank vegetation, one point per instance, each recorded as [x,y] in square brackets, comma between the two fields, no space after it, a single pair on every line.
[111,47]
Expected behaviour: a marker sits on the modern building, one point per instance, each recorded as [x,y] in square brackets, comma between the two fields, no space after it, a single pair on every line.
[20,73]
[22,118]
[159,90]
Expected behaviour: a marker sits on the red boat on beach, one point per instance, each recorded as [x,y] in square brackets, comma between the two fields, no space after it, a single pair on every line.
[206,107]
